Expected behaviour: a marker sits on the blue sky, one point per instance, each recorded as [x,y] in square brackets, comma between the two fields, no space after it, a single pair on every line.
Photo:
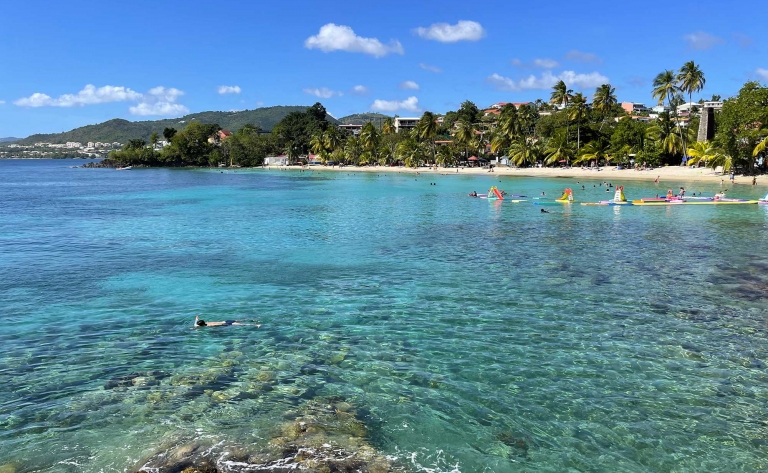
[68,64]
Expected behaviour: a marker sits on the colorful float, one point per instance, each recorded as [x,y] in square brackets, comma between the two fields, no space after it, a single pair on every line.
[566,198]
[618,199]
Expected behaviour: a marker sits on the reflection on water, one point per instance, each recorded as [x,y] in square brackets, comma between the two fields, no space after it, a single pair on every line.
[404,326]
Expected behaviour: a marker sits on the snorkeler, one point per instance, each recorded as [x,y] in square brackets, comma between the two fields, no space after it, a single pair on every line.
[202,323]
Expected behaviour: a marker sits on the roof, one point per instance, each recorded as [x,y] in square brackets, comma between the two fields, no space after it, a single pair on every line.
[225,132]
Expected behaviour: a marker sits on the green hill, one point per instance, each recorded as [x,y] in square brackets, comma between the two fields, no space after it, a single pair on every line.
[362,118]
[123,130]
[10,139]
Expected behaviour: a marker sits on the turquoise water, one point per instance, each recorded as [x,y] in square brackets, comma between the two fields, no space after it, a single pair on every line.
[472,336]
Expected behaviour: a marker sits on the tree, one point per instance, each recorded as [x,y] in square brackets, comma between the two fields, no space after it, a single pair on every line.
[741,126]
[135,144]
[665,87]
[604,100]
[410,152]
[468,112]
[464,135]
[388,127]
[523,151]
[690,79]
[154,138]
[594,151]
[701,152]
[426,129]
[369,138]
[561,94]
[169,133]
[663,133]
[509,123]
[577,112]
[558,149]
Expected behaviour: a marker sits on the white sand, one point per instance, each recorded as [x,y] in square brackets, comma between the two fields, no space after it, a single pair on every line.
[611,174]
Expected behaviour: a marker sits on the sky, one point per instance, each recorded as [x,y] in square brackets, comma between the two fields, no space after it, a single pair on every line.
[74,63]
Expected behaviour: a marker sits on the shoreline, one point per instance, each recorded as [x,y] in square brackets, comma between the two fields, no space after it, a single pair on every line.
[668,173]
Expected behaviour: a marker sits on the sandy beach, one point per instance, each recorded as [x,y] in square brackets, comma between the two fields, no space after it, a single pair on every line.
[668,173]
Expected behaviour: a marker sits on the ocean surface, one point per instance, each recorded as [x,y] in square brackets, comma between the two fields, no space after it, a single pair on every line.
[467,335]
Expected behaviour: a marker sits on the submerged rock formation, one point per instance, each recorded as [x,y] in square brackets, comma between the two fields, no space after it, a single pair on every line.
[320,436]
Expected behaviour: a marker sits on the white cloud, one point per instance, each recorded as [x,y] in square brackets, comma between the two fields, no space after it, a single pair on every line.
[546,80]
[762,73]
[2,102]
[462,31]
[429,68]
[88,96]
[411,104]
[545,63]
[162,94]
[323,93]
[334,37]
[701,40]
[229,89]
[359,90]
[579,56]
[541,63]
[157,101]
[409,85]
[159,108]
[160,101]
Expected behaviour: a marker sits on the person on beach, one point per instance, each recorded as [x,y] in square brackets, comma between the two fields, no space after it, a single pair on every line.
[657,179]
[202,323]
[754,180]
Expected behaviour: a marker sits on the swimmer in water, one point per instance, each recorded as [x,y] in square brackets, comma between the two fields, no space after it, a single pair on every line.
[202,323]
[544,211]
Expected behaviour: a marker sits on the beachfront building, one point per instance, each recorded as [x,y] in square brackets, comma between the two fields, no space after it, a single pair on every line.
[281,160]
[405,123]
[633,107]
[688,107]
[661,109]
[713,104]
[351,129]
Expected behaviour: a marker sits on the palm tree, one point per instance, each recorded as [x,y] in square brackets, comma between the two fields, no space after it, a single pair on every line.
[464,135]
[427,130]
[665,87]
[446,155]
[410,152]
[333,139]
[558,149]
[561,94]
[701,152]
[353,149]
[577,112]
[594,151]
[523,151]
[663,132]
[388,128]
[317,143]
[526,117]
[369,138]
[499,141]
[509,123]
[604,100]
[690,79]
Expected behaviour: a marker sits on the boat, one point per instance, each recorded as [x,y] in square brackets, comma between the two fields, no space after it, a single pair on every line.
[125,168]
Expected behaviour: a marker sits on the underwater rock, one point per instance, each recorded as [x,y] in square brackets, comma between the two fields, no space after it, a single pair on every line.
[319,436]
[518,445]
[146,378]
[8,468]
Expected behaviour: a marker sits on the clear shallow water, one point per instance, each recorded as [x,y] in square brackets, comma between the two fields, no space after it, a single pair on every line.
[471,335]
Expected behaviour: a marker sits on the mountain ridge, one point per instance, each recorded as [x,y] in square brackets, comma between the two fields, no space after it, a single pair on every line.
[121,130]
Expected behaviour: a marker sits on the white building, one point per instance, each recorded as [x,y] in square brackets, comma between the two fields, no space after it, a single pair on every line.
[405,123]
[689,107]
[661,109]
[717,105]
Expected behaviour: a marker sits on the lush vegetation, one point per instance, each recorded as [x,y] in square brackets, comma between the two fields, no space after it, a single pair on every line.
[121,131]
[563,131]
